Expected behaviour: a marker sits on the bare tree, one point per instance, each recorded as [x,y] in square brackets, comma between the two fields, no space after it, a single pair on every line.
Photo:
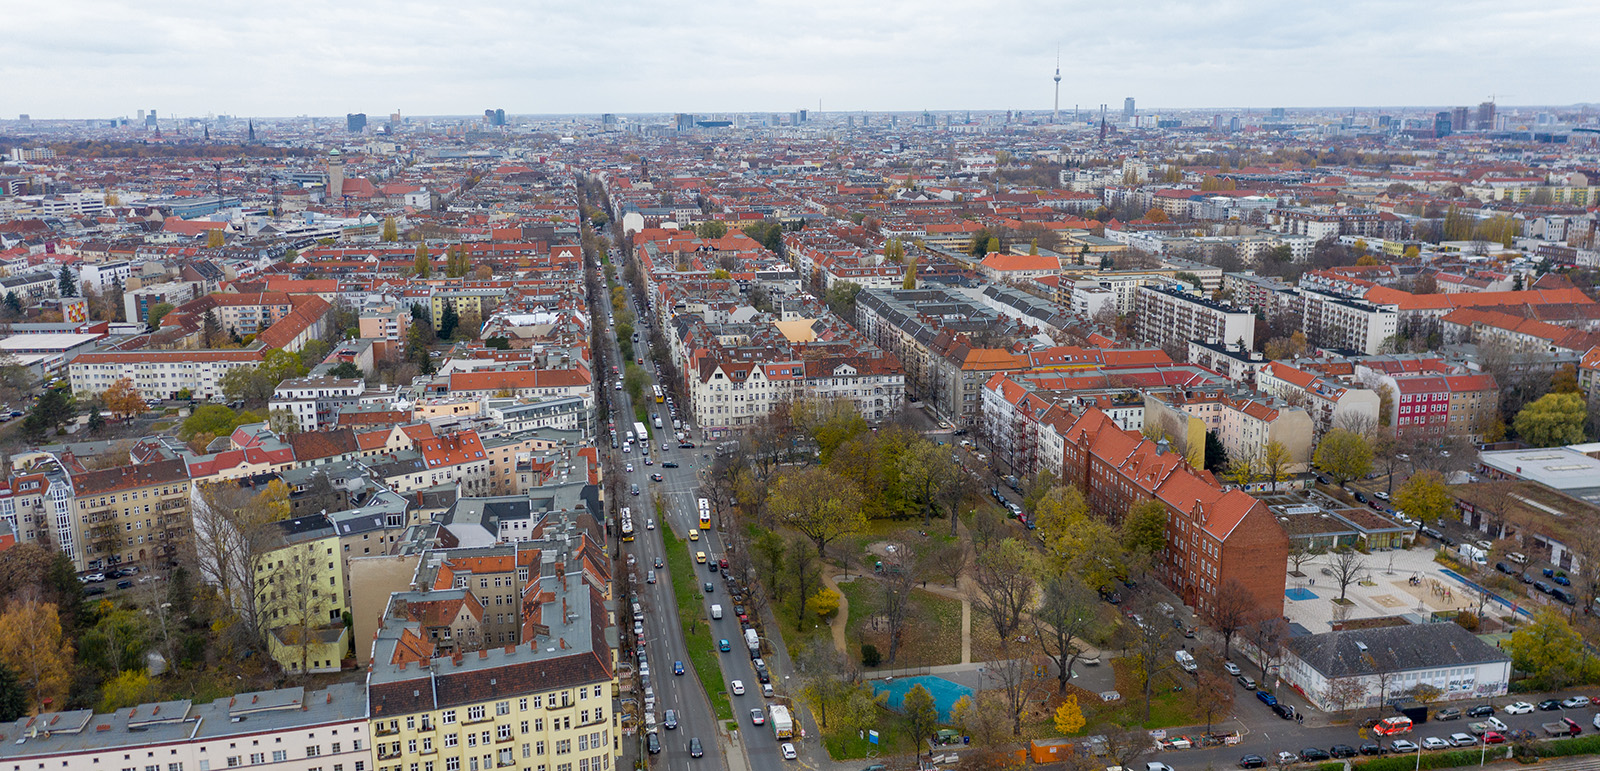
[1005,586]
[1267,635]
[1348,566]
[1013,675]
[1298,554]
[1125,746]
[896,585]
[1068,612]
[1212,694]
[1147,650]
[1230,612]
[805,570]
[1346,692]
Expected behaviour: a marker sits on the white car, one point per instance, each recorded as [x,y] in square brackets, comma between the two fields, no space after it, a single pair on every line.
[650,524]
[1403,745]
[1463,740]
[1519,708]
[1231,668]
[788,751]
[1156,765]
[1575,702]
[1435,743]
[630,468]
[737,687]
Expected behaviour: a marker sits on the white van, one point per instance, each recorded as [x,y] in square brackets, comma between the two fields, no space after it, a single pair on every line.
[716,612]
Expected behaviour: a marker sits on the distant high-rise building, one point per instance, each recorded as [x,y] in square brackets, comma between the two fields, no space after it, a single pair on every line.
[607,119]
[1127,107]
[685,121]
[494,117]
[355,122]
[1277,115]
[1384,121]
[150,119]
[1460,119]
[141,116]
[1486,116]
[1441,124]
[1216,123]
[802,116]
[1055,112]
[1234,123]
[335,176]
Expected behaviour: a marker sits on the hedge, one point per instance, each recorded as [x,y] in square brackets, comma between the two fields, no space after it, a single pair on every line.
[1408,761]
[1586,745]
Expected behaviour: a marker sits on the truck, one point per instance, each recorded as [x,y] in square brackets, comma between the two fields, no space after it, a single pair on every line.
[1481,728]
[782,725]
[1389,726]
[753,642]
[1473,554]
[658,421]
[716,611]
[1185,660]
[1563,727]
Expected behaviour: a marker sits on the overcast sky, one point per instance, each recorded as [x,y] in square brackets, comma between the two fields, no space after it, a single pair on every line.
[100,58]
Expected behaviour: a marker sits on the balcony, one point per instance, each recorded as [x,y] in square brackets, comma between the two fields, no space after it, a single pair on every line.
[390,731]
[388,753]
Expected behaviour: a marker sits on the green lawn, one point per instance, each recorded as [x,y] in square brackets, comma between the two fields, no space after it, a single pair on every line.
[893,739]
[703,654]
[1167,708]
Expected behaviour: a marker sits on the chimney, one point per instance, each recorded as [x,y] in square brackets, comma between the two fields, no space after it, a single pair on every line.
[483,653]
[1163,446]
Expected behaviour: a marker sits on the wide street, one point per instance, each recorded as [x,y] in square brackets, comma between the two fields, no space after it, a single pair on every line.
[666,645]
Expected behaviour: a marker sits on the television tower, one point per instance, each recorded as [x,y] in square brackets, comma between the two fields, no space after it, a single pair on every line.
[1055,114]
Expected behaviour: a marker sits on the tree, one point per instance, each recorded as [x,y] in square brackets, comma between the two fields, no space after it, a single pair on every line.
[1555,419]
[1068,612]
[805,571]
[1425,497]
[1344,455]
[1230,612]
[921,715]
[1005,586]
[127,689]
[1147,651]
[53,408]
[1267,634]
[818,504]
[1275,462]
[32,646]
[1144,531]
[1069,717]
[1212,694]
[824,604]
[422,266]
[215,238]
[213,419]
[896,606]
[1549,650]
[1155,214]
[123,400]
[283,421]
[391,231]
[448,320]
[13,697]
[910,280]
[66,284]
[157,312]
[1076,541]
[312,353]
[13,305]
[1348,567]
[346,370]
[981,717]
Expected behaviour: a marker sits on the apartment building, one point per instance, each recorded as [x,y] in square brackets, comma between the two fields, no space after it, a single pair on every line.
[288,729]
[300,598]
[543,703]
[1332,320]
[315,401]
[37,503]
[1214,536]
[1243,424]
[1474,405]
[1170,319]
[384,322]
[128,515]
[160,375]
[1330,403]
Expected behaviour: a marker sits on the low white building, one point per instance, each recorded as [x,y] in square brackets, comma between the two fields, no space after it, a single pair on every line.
[1360,667]
[290,728]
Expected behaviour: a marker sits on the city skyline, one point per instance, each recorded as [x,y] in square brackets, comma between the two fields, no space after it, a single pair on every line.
[184,59]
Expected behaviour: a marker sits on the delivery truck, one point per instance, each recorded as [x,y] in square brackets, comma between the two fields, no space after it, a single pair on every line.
[782,725]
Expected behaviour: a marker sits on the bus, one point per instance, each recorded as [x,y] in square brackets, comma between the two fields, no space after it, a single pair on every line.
[705,514]
[660,396]
[626,515]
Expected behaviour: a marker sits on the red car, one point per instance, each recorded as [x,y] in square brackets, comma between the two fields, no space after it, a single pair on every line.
[1493,737]
[722,564]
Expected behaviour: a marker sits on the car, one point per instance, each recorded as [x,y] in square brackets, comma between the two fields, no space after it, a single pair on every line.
[656,477]
[722,645]
[94,591]
[1481,710]
[737,686]
[1287,758]
[700,557]
[1283,710]
[694,535]
[1156,765]
[694,748]
[653,743]
[788,751]
[1315,753]
[1518,708]
[95,578]
[766,690]
[1403,745]
[876,767]
[634,489]
[1448,713]
[671,464]
[630,468]
[1361,497]
[1435,743]
[1252,761]
[1463,740]
[619,386]
[124,584]
[1341,751]
[647,461]
[1381,495]
[1231,668]
[650,577]
[677,667]
[1574,702]
[149,578]
[1267,698]
[1549,704]
[709,588]
[671,719]
[1370,748]
[1521,735]
[658,562]
[1248,682]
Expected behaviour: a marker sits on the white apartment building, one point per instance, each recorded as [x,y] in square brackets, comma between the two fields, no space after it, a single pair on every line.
[1170,319]
[1332,320]
[289,729]
[159,375]
[1330,403]
[315,401]
[104,275]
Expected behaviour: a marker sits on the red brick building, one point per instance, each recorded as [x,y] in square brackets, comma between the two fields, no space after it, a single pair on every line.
[1213,535]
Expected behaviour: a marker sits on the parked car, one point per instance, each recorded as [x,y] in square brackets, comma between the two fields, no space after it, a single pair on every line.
[1481,710]
[1283,710]
[1231,668]
[788,751]
[1248,682]
[1463,740]
[1549,704]
[1267,698]
[1494,737]
[1370,748]
[1448,713]
[1435,743]
[1518,708]
[1402,745]
[1574,702]
[1342,751]
[1314,753]
[1287,758]
[1252,761]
